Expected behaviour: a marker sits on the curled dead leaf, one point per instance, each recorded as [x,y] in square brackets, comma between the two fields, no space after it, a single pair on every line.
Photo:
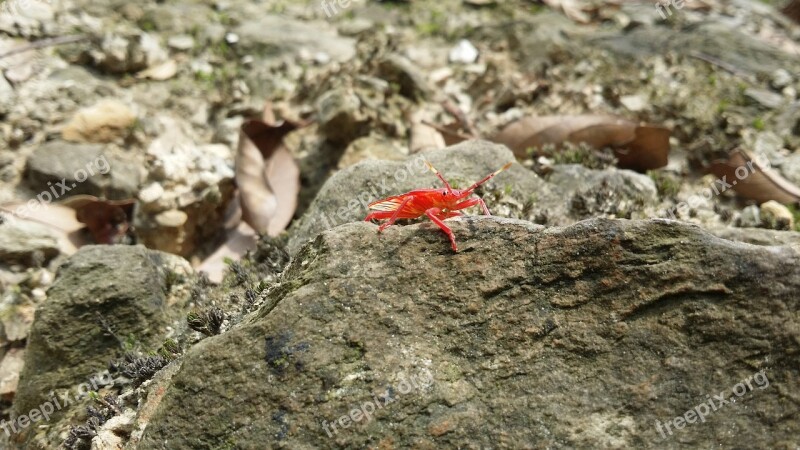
[753,179]
[638,147]
[267,175]
[240,240]
[108,221]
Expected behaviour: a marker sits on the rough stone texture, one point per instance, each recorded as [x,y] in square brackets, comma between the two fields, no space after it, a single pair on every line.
[716,40]
[122,287]
[411,81]
[576,336]
[601,192]
[184,180]
[26,242]
[758,236]
[106,176]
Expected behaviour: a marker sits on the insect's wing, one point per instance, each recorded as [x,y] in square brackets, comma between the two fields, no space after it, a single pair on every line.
[387,204]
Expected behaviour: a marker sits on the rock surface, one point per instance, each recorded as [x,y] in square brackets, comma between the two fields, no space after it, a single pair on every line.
[59,169]
[578,336]
[26,242]
[103,296]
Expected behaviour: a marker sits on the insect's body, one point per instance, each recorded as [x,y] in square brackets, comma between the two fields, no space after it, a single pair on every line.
[437,204]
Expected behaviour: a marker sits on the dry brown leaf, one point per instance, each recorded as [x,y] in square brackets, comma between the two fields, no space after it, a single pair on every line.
[108,221]
[240,240]
[267,175]
[637,147]
[755,180]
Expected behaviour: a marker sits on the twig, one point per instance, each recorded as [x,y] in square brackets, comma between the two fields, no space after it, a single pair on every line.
[460,116]
[723,65]
[444,130]
[45,43]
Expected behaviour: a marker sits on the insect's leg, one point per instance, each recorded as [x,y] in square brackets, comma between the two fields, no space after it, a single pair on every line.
[484,207]
[378,215]
[395,215]
[432,214]
[473,202]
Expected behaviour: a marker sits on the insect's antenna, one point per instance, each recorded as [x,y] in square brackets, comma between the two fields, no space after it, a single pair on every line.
[488,177]
[433,169]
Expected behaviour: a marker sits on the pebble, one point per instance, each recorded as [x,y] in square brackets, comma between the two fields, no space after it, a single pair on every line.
[750,217]
[464,52]
[776,216]
[181,42]
[780,79]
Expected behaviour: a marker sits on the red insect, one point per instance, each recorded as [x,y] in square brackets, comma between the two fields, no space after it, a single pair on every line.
[437,204]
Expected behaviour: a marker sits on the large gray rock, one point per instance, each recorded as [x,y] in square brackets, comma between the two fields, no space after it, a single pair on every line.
[571,193]
[99,291]
[344,198]
[597,334]
[59,169]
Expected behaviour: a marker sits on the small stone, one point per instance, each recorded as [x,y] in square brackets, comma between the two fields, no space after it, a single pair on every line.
[780,79]
[59,169]
[400,70]
[633,103]
[181,42]
[232,38]
[10,368]
[160,72]
[202,68]
[750,217]
[171,219]
[464,52]
[339,114]
[764,97]
[371,147]
[151,193]
[16,320]
[128,53]
[105,121]
[776,216]
[27,242]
